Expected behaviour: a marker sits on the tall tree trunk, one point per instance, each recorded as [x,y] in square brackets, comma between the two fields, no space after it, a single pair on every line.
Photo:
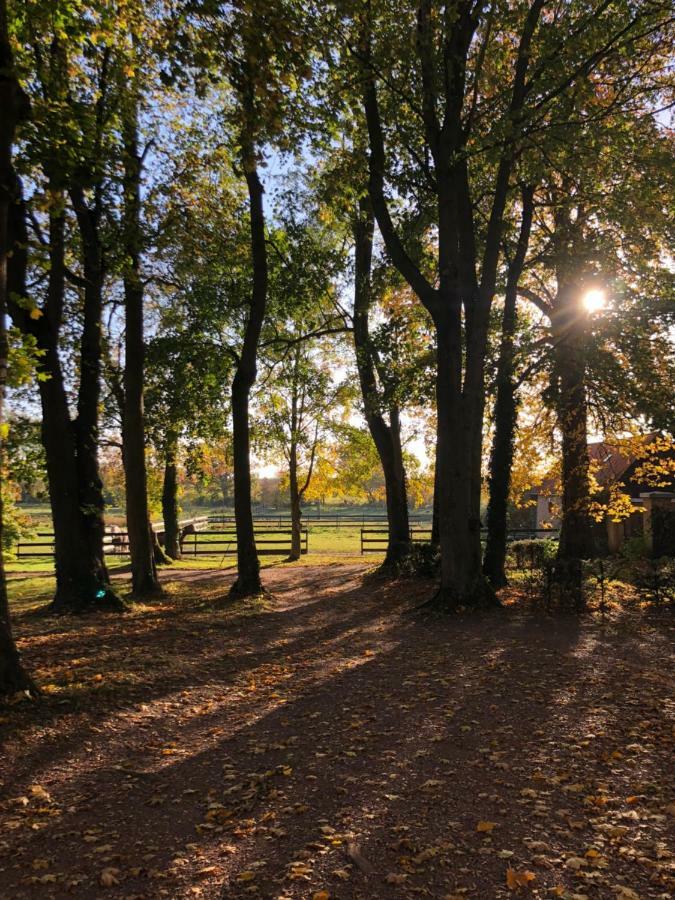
[296,512]
[399,543]
[13,677]
[460,548]
[76,566]
[248,581]
[386,435]
[96,590]
[505,410]
[13,107]
[170,500]
[143,570]
[576,537]
[435,528]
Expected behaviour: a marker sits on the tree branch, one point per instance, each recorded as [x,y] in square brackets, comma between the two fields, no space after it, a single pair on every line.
[376,163]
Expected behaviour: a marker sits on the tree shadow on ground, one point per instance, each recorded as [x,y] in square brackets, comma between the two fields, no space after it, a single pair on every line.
[345,724]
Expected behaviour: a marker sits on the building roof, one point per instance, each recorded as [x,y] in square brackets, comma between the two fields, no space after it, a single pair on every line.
[610,463]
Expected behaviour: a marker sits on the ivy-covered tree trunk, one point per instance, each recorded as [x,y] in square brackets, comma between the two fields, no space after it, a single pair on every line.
[386,435]
[143,569]
[170,499]
[505,410]
[14,107]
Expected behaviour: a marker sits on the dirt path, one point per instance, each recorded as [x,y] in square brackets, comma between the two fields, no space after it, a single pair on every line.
[333,745]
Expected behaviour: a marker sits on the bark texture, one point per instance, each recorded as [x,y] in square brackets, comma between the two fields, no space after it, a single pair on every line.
[13,108]
[576,536]
[143,569]
[505,409]
[170,500]
[386,435]
[248,581]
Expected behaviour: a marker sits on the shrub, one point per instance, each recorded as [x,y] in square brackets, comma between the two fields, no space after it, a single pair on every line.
[533,553]
[654,579]
[423,559]
[634,548]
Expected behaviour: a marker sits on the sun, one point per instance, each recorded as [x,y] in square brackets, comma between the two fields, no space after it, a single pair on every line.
[594,300]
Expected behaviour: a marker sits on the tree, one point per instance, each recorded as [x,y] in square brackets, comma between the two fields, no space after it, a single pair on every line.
[577,207]
[248,581]
[479,84]
[14,108]
[386,435]
[445,44]
[186,411]
[143,568]
[607,249]
[505,407]
[260,53]
[73,100]
[296,410]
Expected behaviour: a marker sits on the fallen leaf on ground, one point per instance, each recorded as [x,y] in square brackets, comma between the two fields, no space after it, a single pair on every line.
[108,877]
[517,878]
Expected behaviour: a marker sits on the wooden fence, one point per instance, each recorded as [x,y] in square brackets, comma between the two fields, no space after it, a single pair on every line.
[335,520]
[115,543]
[268,541]
[375,540]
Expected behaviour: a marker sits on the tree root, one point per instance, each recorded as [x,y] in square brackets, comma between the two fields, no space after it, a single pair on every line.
[445,600]
[251,591]
[104,599]
[14,680]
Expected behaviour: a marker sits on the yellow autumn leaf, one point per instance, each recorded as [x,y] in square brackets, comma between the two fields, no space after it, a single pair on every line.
[517,878]
[35,313]
[38,791]
[321,895]
[246,876]
[486,826]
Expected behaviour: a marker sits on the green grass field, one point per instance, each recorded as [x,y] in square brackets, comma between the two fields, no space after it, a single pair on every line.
[31,581]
